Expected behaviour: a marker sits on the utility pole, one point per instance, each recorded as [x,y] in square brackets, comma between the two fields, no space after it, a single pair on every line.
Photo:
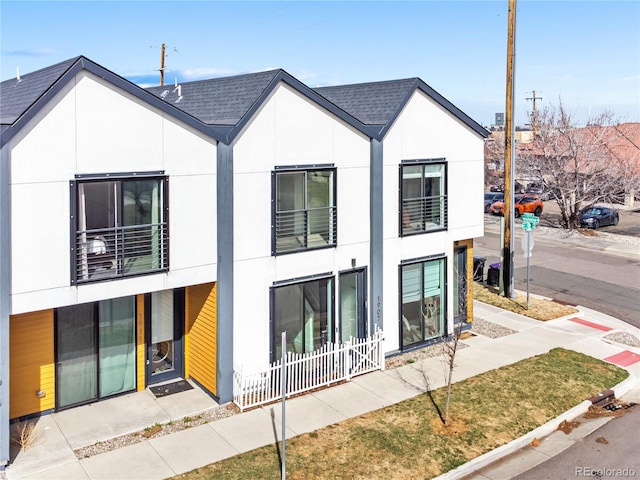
[509,161]
[534,98]
[534,116]
[162,65]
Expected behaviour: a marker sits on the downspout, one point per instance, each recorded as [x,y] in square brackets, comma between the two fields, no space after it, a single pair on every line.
[5,301]
[224,300]
[376,248]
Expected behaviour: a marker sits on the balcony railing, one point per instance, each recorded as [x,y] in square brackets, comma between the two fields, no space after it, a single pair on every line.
[121,252]
[424,214]
[305,229]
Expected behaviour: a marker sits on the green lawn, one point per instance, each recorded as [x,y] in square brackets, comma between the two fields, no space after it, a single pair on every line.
[408,440]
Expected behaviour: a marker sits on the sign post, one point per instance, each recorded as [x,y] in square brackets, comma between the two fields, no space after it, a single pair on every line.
[529,222]
[283,386]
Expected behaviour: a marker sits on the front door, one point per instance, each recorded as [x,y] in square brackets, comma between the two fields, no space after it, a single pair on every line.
[353,305]
[164,312]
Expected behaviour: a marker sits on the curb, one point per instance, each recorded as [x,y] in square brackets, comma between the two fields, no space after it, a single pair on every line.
[488,458]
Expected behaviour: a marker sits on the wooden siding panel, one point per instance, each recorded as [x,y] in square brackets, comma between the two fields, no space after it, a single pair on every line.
[31,363]
[141,351]
[201,324]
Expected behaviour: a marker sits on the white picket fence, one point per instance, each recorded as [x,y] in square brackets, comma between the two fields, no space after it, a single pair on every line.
[307,371]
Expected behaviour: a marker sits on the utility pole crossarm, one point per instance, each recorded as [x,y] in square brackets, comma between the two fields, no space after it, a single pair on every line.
[534,98]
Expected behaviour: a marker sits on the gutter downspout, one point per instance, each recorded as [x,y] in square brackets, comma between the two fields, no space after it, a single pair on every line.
[5,301]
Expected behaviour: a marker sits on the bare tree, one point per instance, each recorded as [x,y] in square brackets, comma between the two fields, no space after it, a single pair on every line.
[450,343]
[494,159]
[579,166]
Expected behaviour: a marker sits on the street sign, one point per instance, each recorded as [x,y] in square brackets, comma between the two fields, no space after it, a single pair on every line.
[529,221]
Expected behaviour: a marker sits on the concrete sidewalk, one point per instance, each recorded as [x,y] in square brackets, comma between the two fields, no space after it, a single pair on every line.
[53,457]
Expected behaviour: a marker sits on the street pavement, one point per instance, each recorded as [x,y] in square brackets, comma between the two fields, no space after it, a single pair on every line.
[52,457]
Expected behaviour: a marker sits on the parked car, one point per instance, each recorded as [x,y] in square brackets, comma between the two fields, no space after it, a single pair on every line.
[517,187]
[537,189]
[597,216]
[523,204]
[490,197]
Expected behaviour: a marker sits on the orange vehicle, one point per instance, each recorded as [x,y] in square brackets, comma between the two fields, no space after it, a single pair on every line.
[523,204]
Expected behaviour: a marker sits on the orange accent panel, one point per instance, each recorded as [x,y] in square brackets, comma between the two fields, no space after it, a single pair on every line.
[141,350]
[31,363]
[201,329]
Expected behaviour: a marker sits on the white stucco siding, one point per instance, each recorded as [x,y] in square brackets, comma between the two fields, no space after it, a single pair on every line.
[115,132]
[40,236]
[465,194]
[290,130]
[92,127]
[426,131]
[45,150]
[251,311]
[192,222]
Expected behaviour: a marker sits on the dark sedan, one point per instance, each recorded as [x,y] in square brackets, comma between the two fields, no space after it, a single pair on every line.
[597,216]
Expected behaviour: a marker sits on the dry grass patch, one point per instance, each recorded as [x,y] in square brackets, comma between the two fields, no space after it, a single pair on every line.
[407,440]
[539,309]
[25,434]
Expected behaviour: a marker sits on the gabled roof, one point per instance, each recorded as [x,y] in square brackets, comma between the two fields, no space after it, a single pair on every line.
[378,104]
[23,98]
[18,95]
[217,101]
[229,102]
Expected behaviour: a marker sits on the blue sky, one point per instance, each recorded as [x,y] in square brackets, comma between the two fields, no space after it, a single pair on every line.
[586,53]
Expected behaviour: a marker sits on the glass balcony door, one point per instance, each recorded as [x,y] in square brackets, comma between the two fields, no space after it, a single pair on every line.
[352,305]
[95,351]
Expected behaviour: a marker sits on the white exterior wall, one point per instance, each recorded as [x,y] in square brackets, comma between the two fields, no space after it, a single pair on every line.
[424,130]
[92,127]
[290,130]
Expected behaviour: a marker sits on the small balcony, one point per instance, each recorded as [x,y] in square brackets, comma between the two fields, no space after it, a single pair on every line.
[297,230]
[420,215]
[107,253]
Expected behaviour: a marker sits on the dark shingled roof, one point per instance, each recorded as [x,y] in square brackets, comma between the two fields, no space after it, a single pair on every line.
[379,103]
[218,101]
[372,103]
[221,106]
[17,96]
[21,99]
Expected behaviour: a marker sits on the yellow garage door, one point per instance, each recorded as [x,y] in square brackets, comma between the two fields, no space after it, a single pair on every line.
[201,327]
[31,367]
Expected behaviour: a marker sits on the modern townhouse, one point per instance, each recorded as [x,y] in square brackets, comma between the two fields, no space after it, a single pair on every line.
[183,228]
[108,241]
[429,170]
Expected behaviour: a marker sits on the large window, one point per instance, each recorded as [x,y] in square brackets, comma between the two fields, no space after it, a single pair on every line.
[120,227]
[305,312]
[423,296]
[95,350]
[423,199]
[304,209]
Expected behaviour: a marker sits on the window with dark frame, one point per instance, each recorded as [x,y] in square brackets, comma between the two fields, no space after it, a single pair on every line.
[423,198]
[422,301]
[119,227]
[304,209]
[305,311]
